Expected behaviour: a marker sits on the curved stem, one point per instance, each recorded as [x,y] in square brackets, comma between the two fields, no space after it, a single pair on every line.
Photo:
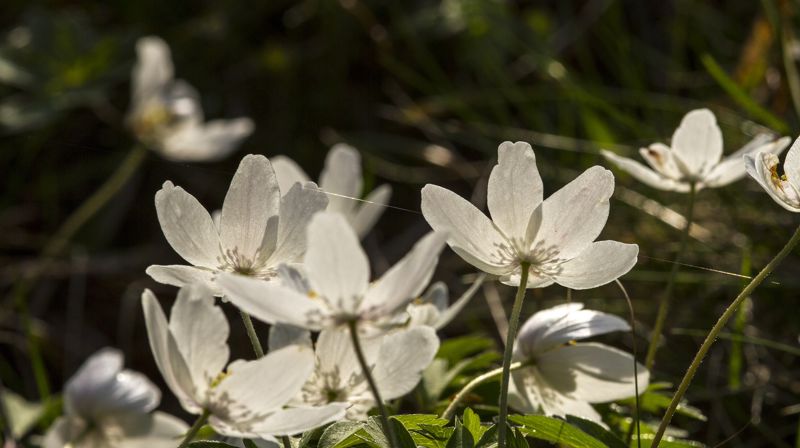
[477,381]
[663,306]
[513,325]
[712,335]
[387,428]
[56,245]
[635,369]
[251,334]
[195,429]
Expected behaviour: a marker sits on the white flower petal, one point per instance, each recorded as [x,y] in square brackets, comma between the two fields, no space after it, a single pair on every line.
[181,275]
[298,205]
[406,279]
[760,167]
[284,335]
[271,302]
[336,265]
[288,172]
[791,167]
[342,177]
[732,167]
[592,372]
[296,420]
[153,69]
[600,263]
[644,174]
[253,200]
[535,280]
[402,358]
[514,191]
[187,226]
[336,355]
[470,233]
[663,161]
[371,210]
[574,216]
[448,314]
[193,141]
[201,334]
[168,357]
[697,142]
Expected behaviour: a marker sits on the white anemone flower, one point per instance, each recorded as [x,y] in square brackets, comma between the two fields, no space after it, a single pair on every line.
[247,398]
[337,272]
[166,115]
[562,377]
[556,237]
[694,157]
[396,361]
[784,189]
[106,406]
[341,178]
[432,308]
[258,230]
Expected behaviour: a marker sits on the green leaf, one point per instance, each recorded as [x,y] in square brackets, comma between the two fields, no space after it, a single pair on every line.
[489,438]
[412,421]
[374,434]
[596,431]
[473,423]
[461,437]
[555,430]
[249,443]
[516,439]
[431,436]
[668,442]
[655,402]
[456,349]
[340,435]
[404,439]
[210,444]
[310,438]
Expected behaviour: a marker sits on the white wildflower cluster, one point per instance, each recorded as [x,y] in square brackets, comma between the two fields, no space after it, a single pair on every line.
[343,341]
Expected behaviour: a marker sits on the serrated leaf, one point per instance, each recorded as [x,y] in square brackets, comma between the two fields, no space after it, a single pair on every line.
[597,431]
[555,430]
[461,437]
[473,423]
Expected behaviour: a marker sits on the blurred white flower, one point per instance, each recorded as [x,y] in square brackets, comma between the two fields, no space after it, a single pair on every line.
[245,400]
[396,362]
[257,231]
[432,308]
[694,157]
[166,115]
[563,377]
[784,189]
[342,178]
[337,272]
[555,236]
[106,406]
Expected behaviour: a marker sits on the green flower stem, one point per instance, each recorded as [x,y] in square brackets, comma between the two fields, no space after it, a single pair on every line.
[56,245]
[513,325]
[251,333]
[195,429]
[663,306]
[712,335]
[477,381]
[387,428]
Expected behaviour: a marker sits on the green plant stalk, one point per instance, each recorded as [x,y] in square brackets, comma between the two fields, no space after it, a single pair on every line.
[251,334]
[190,435]
[636,415]
[513,325]
[712,335]
[56,245]
[387,428]
[663,306]
[475,382]
[739,323]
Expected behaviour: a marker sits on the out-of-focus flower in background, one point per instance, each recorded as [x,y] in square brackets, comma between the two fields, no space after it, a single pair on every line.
[106,406]
[341,178]
[166,115]
[695,156]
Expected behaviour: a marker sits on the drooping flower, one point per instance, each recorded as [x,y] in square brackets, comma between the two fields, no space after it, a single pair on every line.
[784,189]
[258,230]
[106,406]
[396,361]
[556,237]
[337,272]
[563,377]
[432,308]
[695,156]
[342,179]
[247,398]
[166,115]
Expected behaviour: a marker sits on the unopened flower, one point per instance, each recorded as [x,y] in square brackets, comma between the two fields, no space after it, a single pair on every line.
[247,398]
[106,406]
[337,272]
[785,188]
[432,308]
[258,230]
[166,115]
[396,362]
[342,179]
[555,237]
[695,156]
[562,377]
